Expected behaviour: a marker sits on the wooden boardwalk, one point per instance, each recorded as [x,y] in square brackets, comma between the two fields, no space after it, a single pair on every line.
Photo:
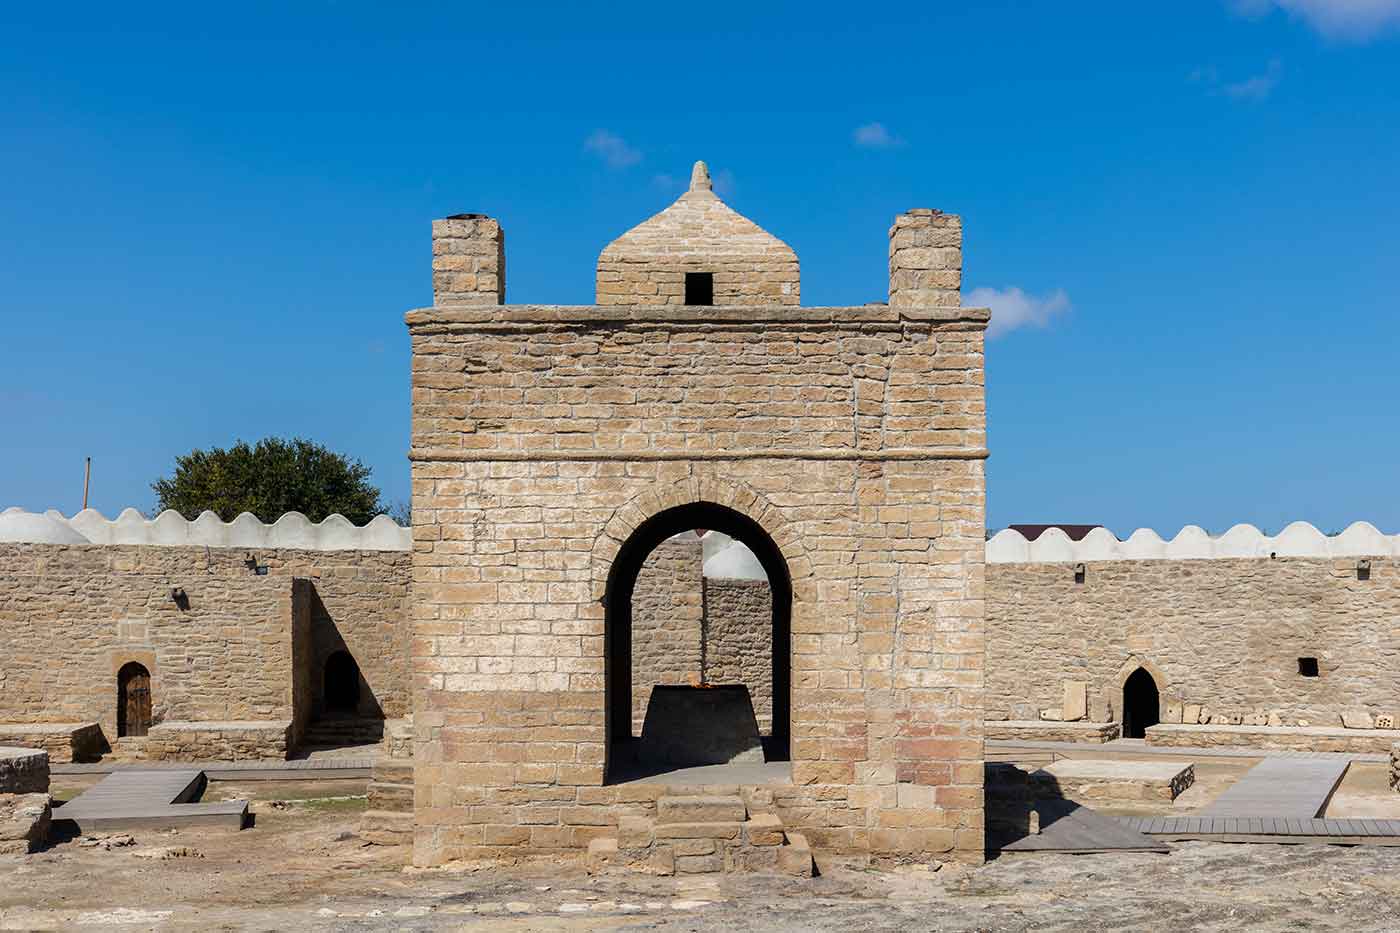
[1069,827]
[149,799]
[303,769]
[1269,829]
[1286,788]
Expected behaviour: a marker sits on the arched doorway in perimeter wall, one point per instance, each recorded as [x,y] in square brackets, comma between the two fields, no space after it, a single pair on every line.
[622,746]
[1141,704]
[133,700]
[341,683]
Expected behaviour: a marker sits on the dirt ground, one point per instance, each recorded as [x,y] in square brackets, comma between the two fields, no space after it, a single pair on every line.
[302,867]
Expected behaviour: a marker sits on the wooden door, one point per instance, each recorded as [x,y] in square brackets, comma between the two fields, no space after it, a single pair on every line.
[133,700]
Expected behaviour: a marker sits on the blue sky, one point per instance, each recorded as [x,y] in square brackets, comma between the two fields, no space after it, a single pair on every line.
[212,220]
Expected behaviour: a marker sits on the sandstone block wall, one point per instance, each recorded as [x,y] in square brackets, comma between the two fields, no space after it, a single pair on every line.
[667,616]
[698,233]
[469,260]
[73,614]
[738,640]
[542,436]
[689,628]
[926,259]
[1222,634]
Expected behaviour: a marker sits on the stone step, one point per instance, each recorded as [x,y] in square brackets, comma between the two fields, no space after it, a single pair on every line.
[671,831]
[758,844]
[386,828]
[393,771]
[729,809]
[795,856]
[764,829]
[394,797]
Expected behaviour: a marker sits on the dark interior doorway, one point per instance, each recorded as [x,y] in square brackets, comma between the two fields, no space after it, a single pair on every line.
[622,578]
[342,683]
[133,700]
[1140,704]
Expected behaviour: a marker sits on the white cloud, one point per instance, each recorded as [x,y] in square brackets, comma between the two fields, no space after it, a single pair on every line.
[875,136]
[612,149]
[1354,20]
[1258,87]
[1013,308]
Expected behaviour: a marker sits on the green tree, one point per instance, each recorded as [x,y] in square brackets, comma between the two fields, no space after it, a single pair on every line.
[269,479]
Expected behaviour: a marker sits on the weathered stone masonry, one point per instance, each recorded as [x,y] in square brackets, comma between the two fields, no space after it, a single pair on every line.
[543,436]
[692,628]
[74,614]
[1223,633]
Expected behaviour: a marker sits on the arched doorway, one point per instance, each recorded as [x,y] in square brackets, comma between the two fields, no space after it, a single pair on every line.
[1140,704]
[133,700]
[621,582]
[341,683]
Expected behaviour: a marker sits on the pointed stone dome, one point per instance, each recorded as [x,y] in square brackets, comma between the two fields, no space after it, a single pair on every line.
[698,251]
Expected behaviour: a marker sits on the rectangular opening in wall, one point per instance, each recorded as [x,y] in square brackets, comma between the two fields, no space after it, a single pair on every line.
[1307,667]
[699,288]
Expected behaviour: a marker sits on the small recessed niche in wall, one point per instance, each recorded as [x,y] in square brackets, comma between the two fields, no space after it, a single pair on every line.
[1307,667]
[699,288]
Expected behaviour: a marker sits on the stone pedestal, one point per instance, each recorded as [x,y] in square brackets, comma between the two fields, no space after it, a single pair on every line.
[710,725]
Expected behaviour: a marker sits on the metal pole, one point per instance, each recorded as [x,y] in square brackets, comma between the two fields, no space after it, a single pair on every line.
[87,478]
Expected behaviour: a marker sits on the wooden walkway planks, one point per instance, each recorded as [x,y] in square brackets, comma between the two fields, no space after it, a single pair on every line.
[1277,829]
[149,799]
[1069,827]
[303,769]
[1290,788]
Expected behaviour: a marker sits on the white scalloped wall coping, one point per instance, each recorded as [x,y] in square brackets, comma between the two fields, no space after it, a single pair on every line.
[171,529]
[1300,539]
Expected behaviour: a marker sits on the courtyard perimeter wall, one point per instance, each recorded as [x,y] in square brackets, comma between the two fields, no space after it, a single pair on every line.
[1220,623]
[72,614]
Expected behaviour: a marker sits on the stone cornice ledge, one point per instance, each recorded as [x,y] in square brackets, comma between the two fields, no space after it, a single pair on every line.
[462,455]
[448,318]
[1299,539]
[293,530]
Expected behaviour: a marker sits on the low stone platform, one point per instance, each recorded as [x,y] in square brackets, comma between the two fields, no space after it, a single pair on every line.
[1089,781]
[64,741]
[388,821]
[237,740]
[1285,738]
[1046,731]
[24,822]
[24,771]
